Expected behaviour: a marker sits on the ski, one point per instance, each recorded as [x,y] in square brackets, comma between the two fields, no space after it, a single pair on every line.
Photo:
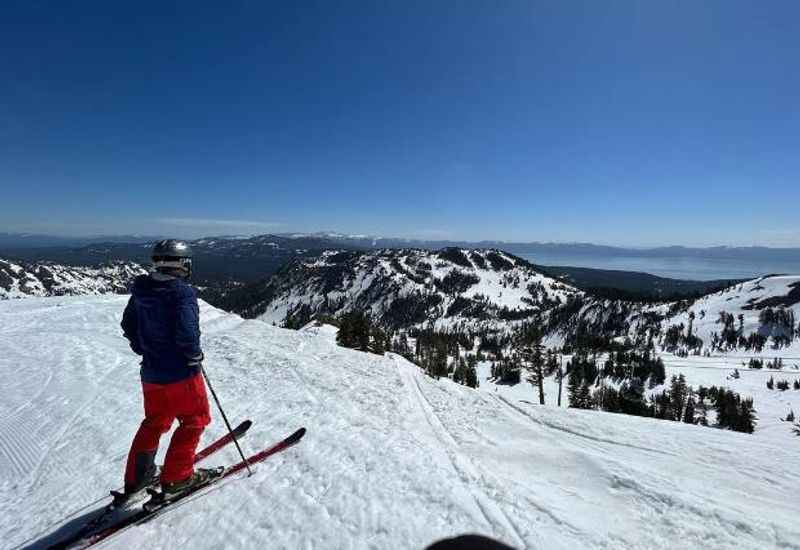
[148,513]
[238,432]
[117,494]
[156,503]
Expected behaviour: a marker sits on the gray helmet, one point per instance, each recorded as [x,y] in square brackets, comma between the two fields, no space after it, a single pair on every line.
[171,255]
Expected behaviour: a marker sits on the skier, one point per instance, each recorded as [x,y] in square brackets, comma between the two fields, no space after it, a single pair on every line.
[161,323]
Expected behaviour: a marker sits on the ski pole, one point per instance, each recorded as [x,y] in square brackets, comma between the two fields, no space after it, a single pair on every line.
[225,418]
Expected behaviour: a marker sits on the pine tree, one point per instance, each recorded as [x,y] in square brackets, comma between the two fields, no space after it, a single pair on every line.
[611,400]
[725,408]
[402,347]
[585,396]
[631,398]
[345,337]
[658,374]
[378,341]
[677,394]
[573,388]
[362,332]
[471,377]
[661,406]
[537,364]
[746,417]
[551,365]
[703,420]
[438,362]
[702,406]
[688,414]
[459,374]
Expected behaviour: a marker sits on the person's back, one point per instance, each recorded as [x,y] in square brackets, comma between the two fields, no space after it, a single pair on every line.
[166,332]
[162,324]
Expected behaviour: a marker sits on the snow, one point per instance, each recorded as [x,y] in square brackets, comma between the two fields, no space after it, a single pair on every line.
[392,458]
[771,405]
[321,330]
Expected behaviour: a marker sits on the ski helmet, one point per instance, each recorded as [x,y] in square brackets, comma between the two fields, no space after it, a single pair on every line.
[172,255]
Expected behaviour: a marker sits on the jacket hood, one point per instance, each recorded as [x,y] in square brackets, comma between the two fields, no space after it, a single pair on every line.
[145,284]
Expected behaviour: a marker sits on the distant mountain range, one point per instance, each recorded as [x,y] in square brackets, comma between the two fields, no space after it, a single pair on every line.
[320,240]
[35,240]
[584,249]
[231,261]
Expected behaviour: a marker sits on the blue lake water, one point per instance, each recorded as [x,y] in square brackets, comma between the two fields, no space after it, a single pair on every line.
[693,268]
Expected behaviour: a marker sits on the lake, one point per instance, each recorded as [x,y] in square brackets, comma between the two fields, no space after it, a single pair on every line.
[691,268]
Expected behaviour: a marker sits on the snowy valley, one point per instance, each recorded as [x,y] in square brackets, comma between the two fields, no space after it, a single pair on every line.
[398,454]
[392,459]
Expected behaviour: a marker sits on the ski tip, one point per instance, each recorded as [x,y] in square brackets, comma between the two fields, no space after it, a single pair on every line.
[296,436]
[243,427]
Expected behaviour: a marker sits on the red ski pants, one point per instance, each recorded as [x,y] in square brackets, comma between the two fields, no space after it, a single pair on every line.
[163,403]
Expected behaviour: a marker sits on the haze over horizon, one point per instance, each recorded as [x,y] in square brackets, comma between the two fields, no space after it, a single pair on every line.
[628,124]
[121,237]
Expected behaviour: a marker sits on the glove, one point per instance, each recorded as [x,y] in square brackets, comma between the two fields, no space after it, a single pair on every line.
[196,361]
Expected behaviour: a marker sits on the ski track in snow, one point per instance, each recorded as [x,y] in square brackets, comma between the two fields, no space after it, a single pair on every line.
[650,500]
[466,470]
[576,433]
[392,458]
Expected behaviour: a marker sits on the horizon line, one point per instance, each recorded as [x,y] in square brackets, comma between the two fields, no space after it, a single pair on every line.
[99,238]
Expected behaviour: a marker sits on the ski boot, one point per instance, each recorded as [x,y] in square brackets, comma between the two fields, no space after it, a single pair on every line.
[177,489]
[129,494]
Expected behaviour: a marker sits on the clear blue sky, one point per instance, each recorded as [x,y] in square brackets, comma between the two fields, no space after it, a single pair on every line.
[635,123]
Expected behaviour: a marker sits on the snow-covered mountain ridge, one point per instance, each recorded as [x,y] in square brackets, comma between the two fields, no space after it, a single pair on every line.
[18,280]
[473,290]
[392,458]
[490,290]
[413,287]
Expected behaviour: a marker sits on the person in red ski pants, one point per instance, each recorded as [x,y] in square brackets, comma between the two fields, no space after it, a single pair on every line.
[161,323]
[185,401]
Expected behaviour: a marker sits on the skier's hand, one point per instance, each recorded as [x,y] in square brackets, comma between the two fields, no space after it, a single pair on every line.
[196,361]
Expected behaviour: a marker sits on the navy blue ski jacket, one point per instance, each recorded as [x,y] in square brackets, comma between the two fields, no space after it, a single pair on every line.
[162,324]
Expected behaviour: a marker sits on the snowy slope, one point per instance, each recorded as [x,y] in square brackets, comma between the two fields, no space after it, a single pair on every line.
[748,299]
[772,406]
[47,279]
[412,287]
[392,459]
